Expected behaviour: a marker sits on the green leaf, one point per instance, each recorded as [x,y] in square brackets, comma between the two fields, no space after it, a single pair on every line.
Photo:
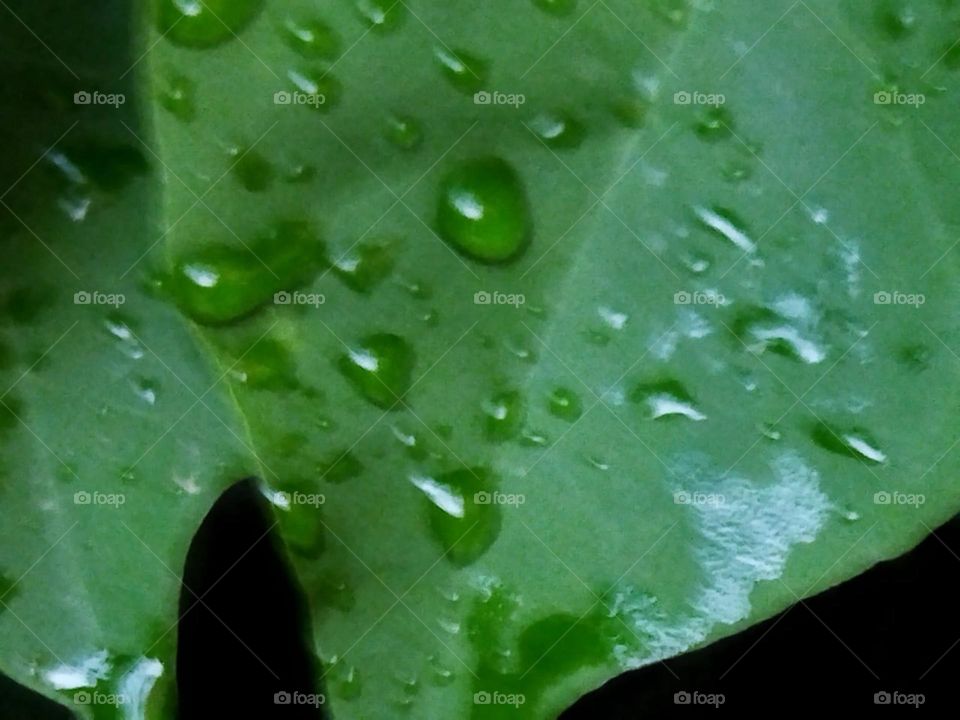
[564,337]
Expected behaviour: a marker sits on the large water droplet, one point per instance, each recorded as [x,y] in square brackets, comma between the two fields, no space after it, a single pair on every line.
[667,398]
[727,225]
[854,442]
[380,367]
[205,23]
[483,210]
[220,284]
[762,329]
[254,172]
[461,515]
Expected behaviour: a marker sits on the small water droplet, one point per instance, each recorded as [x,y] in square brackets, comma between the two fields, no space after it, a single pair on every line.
[382,15]
[558,130]
[253,171]
[565,404]
[146,390]
[367,264]
[714,124]
[320,91]
[193,23]
[483,210]
[119,327]
[504,415]
[311,38]
[466,72]
[403,131]
[177,96]
[380,368]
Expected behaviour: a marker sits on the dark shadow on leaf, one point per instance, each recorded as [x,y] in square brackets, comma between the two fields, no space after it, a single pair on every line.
[244,646]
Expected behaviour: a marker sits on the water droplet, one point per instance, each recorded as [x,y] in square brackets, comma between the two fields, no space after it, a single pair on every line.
[119,327]
[178,97]
[300,173]
[534,438]
[334,592]
[346,680]
[466,72]
[312,38]
[382,15]
[253,171]
[504,415]
[727,225]
[461,517]
[855,442]
[667,398]
[380,367]
[849,515]
[201,24]
[557,7]
[403,131]
[612,319]
[483,210]
[413,445]
[343,466]
[714,124]
[440,674]
[321,91]
[762,329]
[770,431]
[558,130]
[146,390]
[268,365]
[565,404]
[220,284]
[366,265]
[631,111]
[896,19]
